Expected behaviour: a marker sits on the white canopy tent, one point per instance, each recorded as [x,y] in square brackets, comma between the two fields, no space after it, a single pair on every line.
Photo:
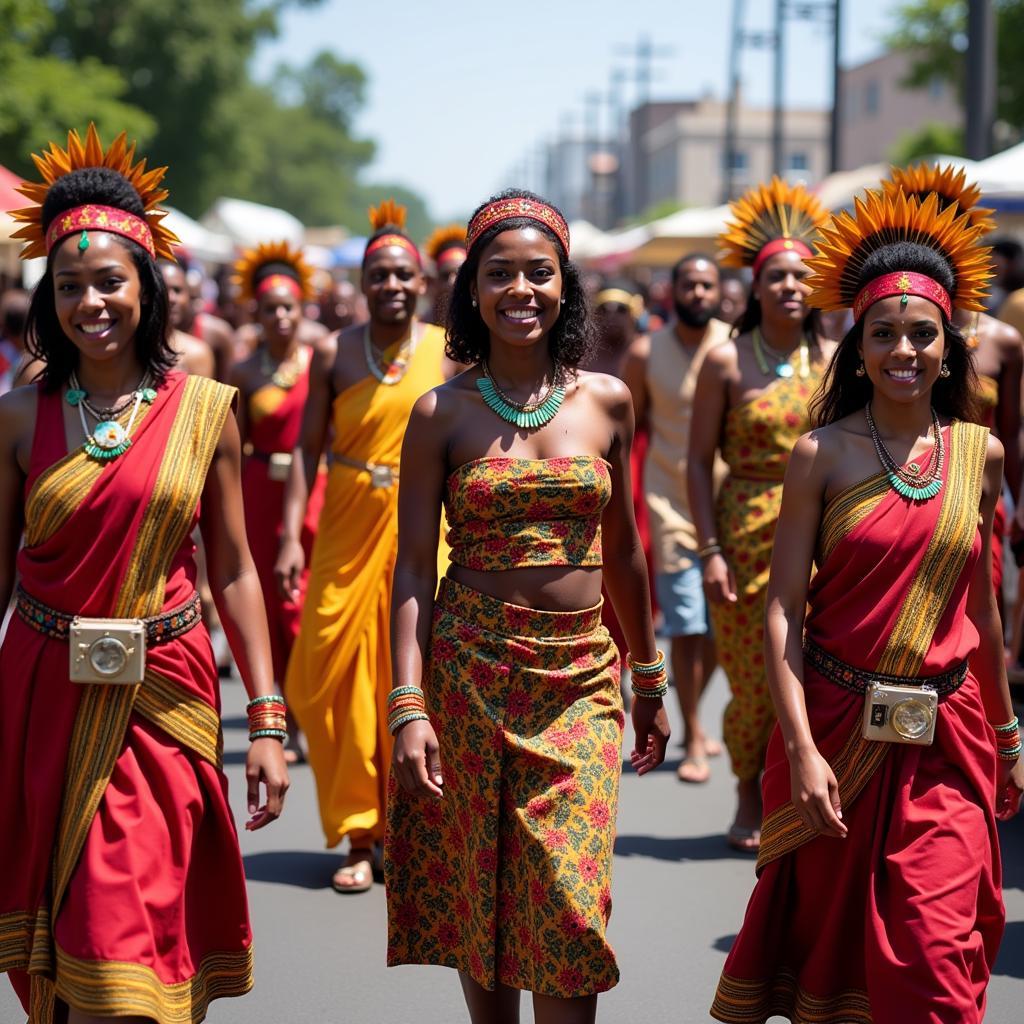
[248,224]
[202,243]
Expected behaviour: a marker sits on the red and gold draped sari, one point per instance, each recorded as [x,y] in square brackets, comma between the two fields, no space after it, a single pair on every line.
[900,921]
[123,892]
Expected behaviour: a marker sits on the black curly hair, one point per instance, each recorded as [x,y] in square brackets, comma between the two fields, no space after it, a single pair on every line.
[45,339]
[467,339]
[843,392]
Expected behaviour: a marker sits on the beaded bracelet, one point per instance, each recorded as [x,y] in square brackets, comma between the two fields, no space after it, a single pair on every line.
[1010,753]
[269,698]
[707,552]
[652,686]
[259,734]
[406,704]
[267,717]
[646,668]
[1012,726]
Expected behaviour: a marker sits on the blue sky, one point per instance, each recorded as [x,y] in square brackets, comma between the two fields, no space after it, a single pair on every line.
[461,91]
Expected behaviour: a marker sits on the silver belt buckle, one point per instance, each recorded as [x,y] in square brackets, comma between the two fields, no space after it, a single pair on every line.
[381,476]
[107,651]
[280,464]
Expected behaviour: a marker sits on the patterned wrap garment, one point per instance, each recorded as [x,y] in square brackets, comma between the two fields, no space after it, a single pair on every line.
[508,878]
[758,438]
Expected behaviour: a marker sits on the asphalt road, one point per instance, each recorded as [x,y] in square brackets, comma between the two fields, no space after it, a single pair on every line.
[679,895]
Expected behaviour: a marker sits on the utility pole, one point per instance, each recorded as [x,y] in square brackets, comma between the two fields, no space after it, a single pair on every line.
[777,87]
[835,122]
[644,53]
[732,112]
[980,95]
[592,103]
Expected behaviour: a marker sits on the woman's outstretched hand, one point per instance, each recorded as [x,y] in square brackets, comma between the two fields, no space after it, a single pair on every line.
[650,724]
[265,764]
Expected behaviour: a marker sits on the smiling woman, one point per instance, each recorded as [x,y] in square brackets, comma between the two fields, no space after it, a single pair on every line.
[125,894]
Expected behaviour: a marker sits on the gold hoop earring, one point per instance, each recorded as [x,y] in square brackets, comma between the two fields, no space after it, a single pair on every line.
[944,370]
[861,371]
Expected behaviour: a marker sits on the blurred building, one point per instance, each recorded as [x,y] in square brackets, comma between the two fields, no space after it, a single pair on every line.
[878,108]
[677,151]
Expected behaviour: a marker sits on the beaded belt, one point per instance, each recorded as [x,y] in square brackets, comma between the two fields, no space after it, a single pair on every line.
[381,474]
[857,680]
[159,628]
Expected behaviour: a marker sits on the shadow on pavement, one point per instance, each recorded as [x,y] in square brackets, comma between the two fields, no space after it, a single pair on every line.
[680,848]
[307,869]
[1010,961]
[724,943]
[235,722]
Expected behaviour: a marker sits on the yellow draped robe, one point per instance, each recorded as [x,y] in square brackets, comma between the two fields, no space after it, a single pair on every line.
[339,673]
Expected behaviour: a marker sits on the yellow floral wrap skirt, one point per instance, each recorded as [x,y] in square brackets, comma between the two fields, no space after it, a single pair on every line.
[508,876]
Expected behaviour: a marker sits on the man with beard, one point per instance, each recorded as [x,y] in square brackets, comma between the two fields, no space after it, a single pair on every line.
[662,375]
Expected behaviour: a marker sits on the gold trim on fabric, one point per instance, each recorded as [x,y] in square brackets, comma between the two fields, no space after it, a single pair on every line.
[15,932]
[847,510]
[61,488]
[739,1001]
[783,830]
[106,988]
[184,717]
[945,556]
[104,711]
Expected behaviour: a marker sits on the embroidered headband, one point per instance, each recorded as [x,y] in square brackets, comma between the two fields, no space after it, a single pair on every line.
[514,209]
[279,281]
[447,243]
[905,283]
[634,303]
[399,241]
[56,162]
[777,245]
[93,217]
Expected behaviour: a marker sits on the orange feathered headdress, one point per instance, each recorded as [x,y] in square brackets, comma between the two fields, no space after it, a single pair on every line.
[948,183]
[770,219]
[55,162]
[252,260]
[879,220]
[389,218]
[449,237]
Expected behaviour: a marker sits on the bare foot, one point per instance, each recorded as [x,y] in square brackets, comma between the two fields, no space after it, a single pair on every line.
[745,832]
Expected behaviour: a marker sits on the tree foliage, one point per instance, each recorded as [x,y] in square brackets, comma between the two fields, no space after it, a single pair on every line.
[935,32]
[176,76]
[932,139]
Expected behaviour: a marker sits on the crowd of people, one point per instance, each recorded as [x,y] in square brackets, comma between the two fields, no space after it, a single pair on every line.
[440,515]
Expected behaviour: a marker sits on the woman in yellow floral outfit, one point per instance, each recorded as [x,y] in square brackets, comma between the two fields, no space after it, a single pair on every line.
[506,709]
[751,402]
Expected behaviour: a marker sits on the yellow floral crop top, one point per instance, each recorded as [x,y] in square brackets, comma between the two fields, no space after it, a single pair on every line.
[507,513]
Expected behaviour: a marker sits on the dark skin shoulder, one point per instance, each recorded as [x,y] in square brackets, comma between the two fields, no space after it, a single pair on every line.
[17,426]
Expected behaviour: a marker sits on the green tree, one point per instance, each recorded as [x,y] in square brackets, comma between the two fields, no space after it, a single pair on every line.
[932,139]
[935,32]
[42,95]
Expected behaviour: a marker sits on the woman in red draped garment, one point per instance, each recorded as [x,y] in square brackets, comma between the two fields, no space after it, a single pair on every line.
[273,383]
[878,898]
[123,897]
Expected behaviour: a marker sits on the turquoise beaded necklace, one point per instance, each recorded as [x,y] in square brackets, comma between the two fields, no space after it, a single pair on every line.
[912,482]
[525,415]
[108,439]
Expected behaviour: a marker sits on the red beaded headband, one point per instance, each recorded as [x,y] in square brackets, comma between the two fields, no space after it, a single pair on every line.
[399,240]
[903,283]
[279,281]
[513,209]
[777,245]
[100,218]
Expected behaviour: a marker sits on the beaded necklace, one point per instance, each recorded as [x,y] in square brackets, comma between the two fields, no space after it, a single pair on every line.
[394,371]
[108,439]
[526,415]
[286,373]
[911,481]
[782,366]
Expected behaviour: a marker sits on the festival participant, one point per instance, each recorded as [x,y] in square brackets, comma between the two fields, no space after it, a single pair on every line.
[218,334]
[446,248]
[751,401]
[997,348]
[122,894]
[249,337]
[502,802]
[733,295]
[273,384]
[194,356]
[364,383]
[662,377]
[341,306]
[13,314]
[897,748]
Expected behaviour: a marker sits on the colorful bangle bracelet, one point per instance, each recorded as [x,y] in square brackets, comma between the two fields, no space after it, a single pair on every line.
[277,734]
[1010,754]
[652,693]
[397,724]
[269,698]
[1012,726]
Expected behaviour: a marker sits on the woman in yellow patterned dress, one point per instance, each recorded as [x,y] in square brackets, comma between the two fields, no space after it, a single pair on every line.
[507,713]
[751,404]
